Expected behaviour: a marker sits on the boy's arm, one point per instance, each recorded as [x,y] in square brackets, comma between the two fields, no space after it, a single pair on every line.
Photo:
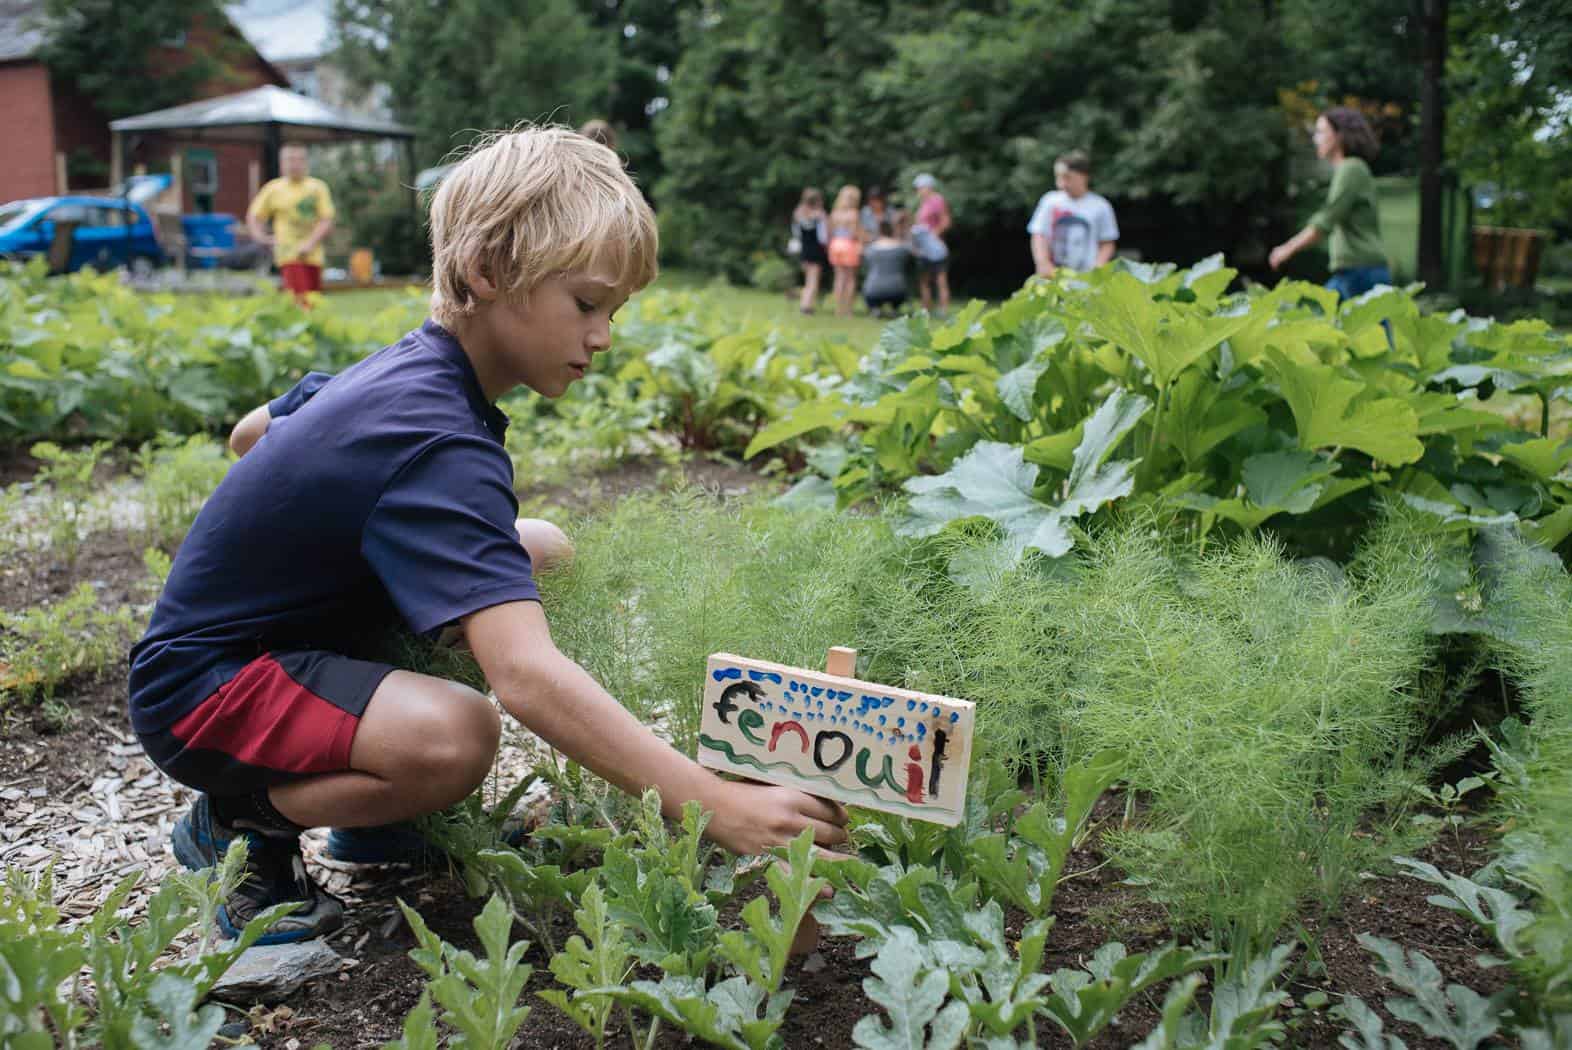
[559,701]
[249,430]
[256,215]
[1041,256]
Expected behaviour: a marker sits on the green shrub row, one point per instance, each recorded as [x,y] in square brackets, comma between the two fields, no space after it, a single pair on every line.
[1152,386]
[87,356]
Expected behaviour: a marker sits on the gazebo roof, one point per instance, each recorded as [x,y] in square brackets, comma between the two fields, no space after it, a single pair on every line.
[248,116]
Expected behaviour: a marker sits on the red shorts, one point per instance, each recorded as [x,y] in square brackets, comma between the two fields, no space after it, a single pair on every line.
[301,277]
[282,716]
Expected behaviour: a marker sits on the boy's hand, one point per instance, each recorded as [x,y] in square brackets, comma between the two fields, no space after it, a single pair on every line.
[750,817]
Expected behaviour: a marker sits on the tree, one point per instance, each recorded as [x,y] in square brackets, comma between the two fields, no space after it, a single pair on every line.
[649,43]
[1432,116]
[1507,118]
[460,68]
[769,96]
[117,52]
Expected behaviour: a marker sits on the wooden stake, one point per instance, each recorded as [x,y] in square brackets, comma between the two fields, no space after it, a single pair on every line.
[841,662]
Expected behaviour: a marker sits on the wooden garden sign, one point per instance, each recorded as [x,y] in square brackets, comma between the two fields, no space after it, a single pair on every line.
[830,734]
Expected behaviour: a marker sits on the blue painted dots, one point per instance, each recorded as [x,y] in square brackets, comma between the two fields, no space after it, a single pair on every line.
[922,730]
[900,722]
[955,716]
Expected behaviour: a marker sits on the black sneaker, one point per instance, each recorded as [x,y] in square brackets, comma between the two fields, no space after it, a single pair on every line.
[275,874]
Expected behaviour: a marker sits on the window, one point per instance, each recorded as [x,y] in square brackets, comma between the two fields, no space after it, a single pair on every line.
[202,170]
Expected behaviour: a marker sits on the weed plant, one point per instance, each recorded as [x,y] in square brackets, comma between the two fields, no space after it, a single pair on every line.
[12,530]
[1533,595]
[178,474]
[1271,710]
[46,645]
[68,474]
[1268,708]
[659,584]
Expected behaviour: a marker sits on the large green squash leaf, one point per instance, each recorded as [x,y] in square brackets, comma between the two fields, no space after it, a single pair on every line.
[1332,411]
[1167,337]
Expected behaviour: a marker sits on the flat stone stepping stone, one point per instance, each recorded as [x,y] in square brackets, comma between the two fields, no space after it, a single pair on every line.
[270,972]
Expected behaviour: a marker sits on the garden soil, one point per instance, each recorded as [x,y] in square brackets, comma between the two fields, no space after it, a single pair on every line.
[80,795]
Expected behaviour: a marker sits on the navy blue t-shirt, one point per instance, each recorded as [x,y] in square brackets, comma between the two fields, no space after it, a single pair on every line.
[378,495]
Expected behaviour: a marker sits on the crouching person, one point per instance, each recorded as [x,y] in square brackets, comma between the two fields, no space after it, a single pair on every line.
[383,496]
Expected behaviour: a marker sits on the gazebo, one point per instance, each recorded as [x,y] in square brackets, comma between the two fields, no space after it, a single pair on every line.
[267,115]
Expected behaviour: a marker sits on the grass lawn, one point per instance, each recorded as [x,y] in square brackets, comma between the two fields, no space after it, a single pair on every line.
[744,304]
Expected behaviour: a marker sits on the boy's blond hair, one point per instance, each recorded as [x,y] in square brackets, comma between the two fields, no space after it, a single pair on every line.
[529,203]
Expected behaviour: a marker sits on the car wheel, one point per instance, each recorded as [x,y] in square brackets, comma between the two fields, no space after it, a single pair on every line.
[142,267]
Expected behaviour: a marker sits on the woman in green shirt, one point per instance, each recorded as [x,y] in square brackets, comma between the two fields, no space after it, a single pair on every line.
[1349,217]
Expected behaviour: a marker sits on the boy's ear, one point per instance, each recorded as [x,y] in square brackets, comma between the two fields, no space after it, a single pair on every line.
[480,284]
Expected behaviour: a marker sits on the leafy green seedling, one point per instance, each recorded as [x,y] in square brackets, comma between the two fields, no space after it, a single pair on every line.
[760,952]
[533,891]
[1084,1002]
[1025,868]
[420,1027]
[1461,1016]
[479,997]
[69,476]
[913,997]
[173,1021]
[1369,1031]
[598,959]
[36,958]
[46,645]
[674,926]
[734,1015]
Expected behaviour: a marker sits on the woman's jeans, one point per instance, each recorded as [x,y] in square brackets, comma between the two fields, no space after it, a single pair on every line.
[1357,280]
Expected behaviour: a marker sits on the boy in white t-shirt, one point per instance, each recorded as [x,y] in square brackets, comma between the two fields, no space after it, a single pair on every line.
[1072,226]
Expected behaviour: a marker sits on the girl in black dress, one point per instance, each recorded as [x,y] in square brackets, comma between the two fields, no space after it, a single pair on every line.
[807,227]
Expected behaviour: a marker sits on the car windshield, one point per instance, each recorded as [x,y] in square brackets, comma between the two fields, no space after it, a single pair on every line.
[16,213]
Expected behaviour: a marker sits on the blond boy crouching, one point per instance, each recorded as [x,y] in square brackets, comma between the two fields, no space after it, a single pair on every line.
[383,496]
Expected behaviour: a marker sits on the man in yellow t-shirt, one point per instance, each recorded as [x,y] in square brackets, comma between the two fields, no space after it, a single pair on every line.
[301,211]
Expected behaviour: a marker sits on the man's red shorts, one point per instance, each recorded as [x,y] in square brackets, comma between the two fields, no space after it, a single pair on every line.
[282,716]
[301,278]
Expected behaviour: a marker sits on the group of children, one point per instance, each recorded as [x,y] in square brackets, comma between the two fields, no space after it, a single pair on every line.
[878,238]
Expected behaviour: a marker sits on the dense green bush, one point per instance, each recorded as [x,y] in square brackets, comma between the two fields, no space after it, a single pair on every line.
[1146,386]
[87,356]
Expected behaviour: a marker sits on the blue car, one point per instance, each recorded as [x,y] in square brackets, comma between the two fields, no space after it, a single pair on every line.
[109,232]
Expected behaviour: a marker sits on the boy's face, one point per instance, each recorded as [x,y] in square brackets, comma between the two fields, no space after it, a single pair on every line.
[546,341]
[1075,183]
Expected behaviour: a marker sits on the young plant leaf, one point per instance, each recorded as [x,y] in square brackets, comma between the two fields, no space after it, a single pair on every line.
[1368,1032]
[1457,1014]
[913,999]
[598,959]
[1332,411]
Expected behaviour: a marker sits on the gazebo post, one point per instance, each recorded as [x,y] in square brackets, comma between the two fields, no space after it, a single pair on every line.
[414,193]
[272,142]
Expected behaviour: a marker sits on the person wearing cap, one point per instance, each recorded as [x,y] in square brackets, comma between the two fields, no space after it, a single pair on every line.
[933,255]
[1072,226]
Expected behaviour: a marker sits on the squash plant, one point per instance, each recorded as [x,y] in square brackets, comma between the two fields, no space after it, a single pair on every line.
[1154,385]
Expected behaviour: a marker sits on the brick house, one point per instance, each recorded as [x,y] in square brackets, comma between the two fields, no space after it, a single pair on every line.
[57,141]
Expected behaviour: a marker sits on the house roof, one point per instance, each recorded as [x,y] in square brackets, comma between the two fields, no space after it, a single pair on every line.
[285,31]
[21,29]
[246,116]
